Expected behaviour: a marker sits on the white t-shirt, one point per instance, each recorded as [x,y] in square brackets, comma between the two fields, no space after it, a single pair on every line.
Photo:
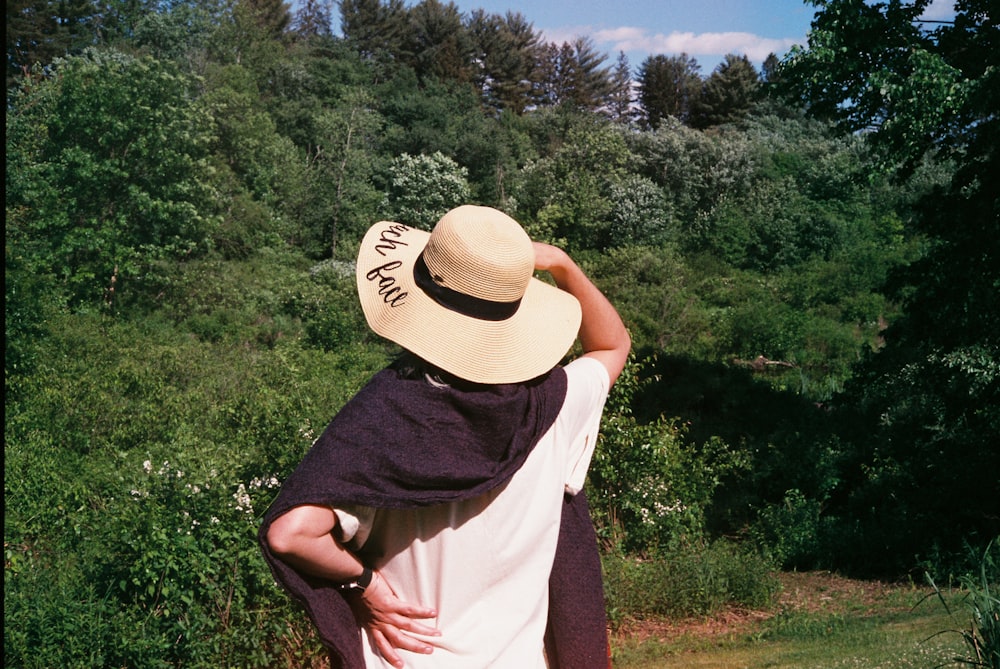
[484,563]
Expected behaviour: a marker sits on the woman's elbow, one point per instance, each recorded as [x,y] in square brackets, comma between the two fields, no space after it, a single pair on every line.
[298,526]
[280,537]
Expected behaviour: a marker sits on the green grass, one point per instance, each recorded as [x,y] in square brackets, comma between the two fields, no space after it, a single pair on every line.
[841,625]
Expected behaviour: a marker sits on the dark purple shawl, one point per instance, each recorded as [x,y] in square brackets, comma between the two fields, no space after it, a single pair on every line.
[403,443]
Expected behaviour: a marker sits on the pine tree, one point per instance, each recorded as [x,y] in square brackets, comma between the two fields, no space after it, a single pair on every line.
[313,19]
[507,55]
[728,94]
[574,75]
[40,30]
[375,29]
[439,45]
[668,86]
[619,107]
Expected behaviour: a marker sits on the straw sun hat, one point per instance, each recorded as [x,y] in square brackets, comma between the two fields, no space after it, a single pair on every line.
[464,298]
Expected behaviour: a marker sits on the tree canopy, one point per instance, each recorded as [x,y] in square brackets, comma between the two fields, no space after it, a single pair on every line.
[931,397]
[806,258]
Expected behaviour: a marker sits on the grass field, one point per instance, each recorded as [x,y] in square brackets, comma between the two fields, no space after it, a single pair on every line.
[820,620]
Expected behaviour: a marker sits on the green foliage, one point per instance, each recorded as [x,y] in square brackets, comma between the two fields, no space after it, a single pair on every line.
[323,101]
[669,86]
[574,76]
[790,532]
[657,293]
[339,198]
[780,442]
[438,46]
[198,210]
[871,65]
[640,214]
[330,314]
[106,167]
[253,35]
[728,94]
[927,400]
[570,191]
[38,31]
[982,637]
[422,189]
[506,46]
[696,580]
[30,299]
[256,170]
[183,30]
[374,28]
[927,423]
[650,488]
[696,170]
[438,116]
[156,455]
[173,558]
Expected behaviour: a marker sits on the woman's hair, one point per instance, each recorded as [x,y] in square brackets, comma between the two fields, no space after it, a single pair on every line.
[410,366]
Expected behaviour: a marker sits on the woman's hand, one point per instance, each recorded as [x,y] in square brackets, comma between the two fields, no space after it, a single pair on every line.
[392,622]
[548,257]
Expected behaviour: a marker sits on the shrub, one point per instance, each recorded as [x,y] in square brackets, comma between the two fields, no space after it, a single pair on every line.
[790,531]
[119,177]
[696,580]
[422,188]
[650,488]
[138,461]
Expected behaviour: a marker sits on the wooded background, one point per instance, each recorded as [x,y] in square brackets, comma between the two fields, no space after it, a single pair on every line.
[806,257]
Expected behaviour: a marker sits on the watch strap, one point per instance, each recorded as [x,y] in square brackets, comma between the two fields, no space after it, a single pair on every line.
[361,583]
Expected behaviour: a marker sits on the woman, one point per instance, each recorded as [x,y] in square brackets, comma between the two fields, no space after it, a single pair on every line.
[429,513]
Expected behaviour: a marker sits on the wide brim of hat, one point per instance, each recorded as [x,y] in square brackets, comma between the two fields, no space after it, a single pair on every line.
[519,348]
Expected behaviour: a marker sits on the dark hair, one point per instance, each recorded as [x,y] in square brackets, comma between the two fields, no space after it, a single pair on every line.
[411,366]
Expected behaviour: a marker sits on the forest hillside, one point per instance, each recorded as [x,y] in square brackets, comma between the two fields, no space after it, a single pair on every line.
[806,257]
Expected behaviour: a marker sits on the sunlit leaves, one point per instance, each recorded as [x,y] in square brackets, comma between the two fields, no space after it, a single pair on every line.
[117,174]
[423,188]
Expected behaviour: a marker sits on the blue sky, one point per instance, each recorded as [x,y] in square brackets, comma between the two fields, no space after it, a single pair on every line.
[704,29]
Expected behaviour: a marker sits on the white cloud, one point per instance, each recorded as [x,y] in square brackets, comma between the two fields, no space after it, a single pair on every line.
[754,47]
[632,40]
[939,10]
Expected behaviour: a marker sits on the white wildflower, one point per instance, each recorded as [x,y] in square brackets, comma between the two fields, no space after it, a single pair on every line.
[243,499]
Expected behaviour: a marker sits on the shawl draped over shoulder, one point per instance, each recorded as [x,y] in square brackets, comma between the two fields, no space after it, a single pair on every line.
[405,443]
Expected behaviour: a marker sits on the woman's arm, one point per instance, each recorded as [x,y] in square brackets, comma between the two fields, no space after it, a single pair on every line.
[602,333]
[303,537]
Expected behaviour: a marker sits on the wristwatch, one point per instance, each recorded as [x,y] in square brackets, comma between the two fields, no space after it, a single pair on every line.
[360,584]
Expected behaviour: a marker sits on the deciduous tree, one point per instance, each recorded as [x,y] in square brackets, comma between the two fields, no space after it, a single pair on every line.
[925,459]
[107,169]
[423,188]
